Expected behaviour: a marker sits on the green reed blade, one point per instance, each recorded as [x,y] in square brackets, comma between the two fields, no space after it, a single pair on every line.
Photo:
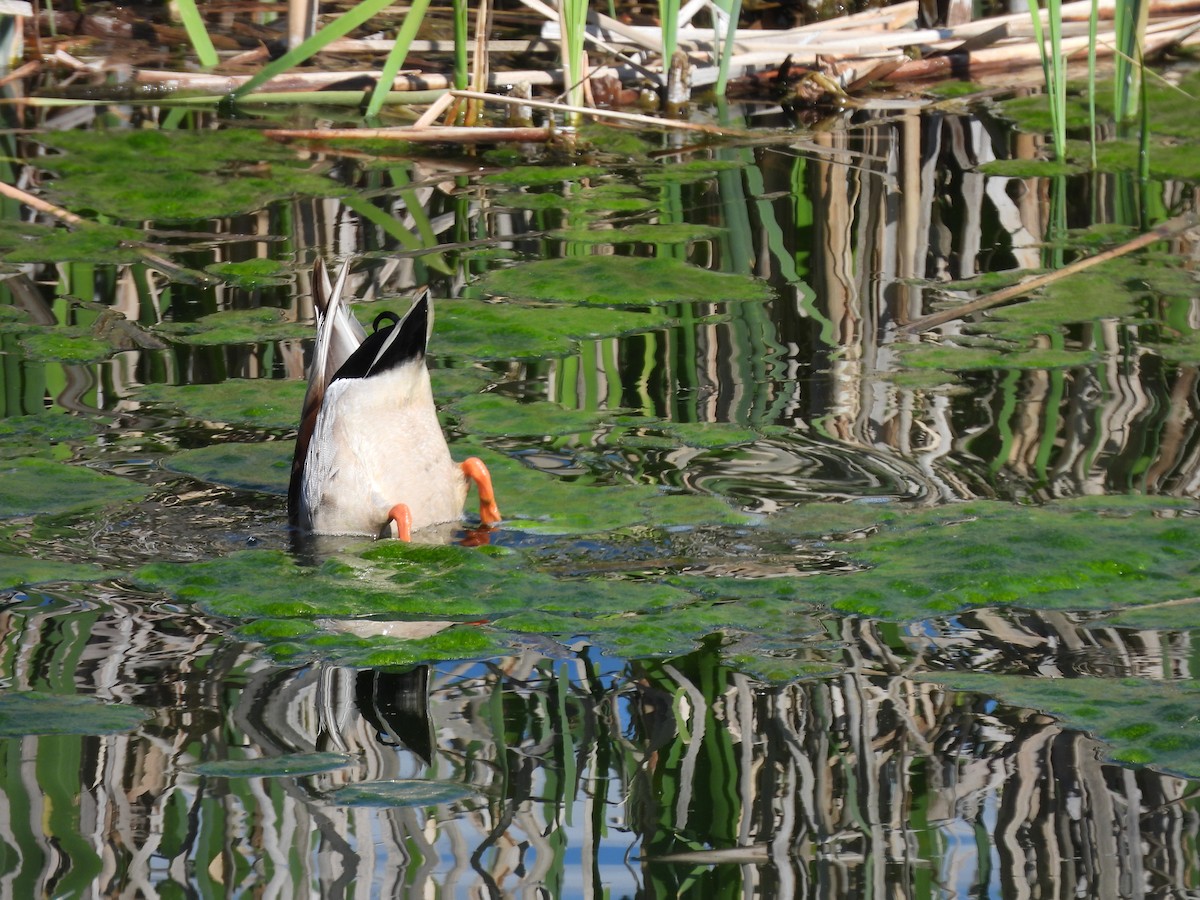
[573,24]
[336,29]
[391,67]
[1130,17]
[1143,123]
[1093,30]
[1053,69]
[462,42]
[197,33]
[668,13]
[1058,103]
[733,12]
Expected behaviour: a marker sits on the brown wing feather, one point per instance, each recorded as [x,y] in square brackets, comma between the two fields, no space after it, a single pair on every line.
[312,397]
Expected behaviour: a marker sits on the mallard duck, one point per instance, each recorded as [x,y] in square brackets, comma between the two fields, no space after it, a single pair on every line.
[371,457]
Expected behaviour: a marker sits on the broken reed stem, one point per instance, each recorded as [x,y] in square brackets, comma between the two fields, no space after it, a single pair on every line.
[635,118]
[41,205]
[450,134]
[1167,229]
[66,216]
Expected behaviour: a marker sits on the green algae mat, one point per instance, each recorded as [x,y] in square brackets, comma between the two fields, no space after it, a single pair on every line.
[605,542]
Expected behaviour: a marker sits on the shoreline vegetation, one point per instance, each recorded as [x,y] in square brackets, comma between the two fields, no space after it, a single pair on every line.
[836,62]
[451,75]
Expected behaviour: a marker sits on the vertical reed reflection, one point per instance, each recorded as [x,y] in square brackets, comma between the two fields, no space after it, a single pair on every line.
[635,778]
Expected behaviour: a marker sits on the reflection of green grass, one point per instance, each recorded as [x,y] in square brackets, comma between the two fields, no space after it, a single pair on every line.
[1123,289]
[1145,722]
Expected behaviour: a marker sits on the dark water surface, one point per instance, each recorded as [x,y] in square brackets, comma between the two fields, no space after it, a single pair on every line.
[790,604]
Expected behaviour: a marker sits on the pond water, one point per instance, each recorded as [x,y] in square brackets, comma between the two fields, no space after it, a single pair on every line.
[786,602]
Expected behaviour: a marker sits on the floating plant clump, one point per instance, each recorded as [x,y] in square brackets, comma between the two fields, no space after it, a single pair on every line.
[620,281]
[181,175]
[897,564]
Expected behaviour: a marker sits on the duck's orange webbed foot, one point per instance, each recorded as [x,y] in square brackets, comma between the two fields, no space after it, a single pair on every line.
[399,522]
[474,469]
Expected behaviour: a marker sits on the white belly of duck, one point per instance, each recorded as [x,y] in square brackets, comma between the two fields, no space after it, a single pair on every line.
[357,474]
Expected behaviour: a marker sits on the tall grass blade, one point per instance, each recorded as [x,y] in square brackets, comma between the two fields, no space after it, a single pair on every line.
[1144,125]
[462,42]
[668,14]
[395,60]
[572,16]
[1130,26]
[1093,30]
[1058,65]
[1053,69]
[731,11]
[197,33]
[336,29]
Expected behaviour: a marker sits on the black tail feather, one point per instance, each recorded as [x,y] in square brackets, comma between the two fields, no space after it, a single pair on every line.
[391,345]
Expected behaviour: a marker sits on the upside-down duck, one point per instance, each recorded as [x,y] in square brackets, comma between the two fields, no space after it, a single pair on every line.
[370,456]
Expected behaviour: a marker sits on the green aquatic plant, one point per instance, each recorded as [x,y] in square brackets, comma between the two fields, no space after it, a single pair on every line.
[19,435]
[620,281]
[1130,19]
[397,55]
[493,415]
[400,792]
[236,326]
[541,176]
[690,171]
[1025,335]
[895,563]
[1104,552]
[32,485]
[258,402]
[287,766]
[601,200]
[182,175]
[572,22]
[251,273]
[64,343]
[1161,149]
[37,712]
[730,13]
[97,243]
[1144,722]
[19,569]
[639,234]
[264,467]
[470,329]
[668,17]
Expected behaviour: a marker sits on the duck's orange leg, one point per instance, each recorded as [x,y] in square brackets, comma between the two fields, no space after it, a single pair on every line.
[474,469]
[400,521]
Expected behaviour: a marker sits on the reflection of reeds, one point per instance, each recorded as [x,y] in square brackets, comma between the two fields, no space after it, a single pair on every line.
[832,783]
